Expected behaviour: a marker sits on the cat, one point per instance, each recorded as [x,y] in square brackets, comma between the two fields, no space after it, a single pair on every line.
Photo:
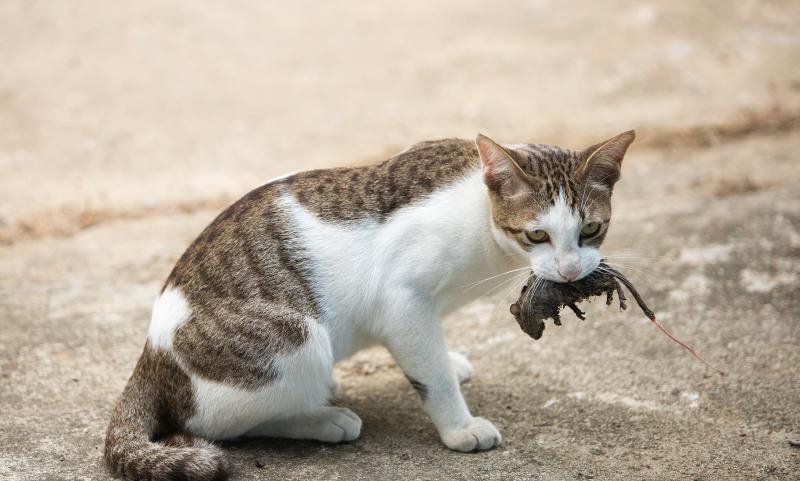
[310,268]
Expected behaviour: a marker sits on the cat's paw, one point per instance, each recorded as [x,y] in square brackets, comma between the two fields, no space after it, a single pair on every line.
[478,435]
[337,425]
[461,364]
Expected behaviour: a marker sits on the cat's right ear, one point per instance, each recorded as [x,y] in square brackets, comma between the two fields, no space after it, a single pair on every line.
[603,161]
[500,172]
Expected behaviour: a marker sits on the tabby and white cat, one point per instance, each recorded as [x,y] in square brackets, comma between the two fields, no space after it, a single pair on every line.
[308,269]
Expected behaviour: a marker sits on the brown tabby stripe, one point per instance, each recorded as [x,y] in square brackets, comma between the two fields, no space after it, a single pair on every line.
[246,282]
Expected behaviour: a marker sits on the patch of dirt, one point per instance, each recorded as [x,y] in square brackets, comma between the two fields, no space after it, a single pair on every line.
[722,187]
[772,121]
[68,221]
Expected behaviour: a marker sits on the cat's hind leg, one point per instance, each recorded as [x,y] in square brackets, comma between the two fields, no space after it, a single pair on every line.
[462,366]
[330,424]
[296,393]
[333,387]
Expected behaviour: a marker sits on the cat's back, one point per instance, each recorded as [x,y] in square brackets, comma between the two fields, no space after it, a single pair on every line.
[375,192]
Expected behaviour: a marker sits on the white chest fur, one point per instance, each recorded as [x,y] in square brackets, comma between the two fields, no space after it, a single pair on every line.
[434,247]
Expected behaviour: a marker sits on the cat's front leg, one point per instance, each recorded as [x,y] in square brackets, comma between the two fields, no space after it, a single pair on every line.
[417,345]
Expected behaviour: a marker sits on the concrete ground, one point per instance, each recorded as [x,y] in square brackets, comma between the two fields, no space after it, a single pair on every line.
[125,127]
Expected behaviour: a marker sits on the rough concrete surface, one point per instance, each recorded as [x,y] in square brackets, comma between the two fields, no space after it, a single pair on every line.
[125,127]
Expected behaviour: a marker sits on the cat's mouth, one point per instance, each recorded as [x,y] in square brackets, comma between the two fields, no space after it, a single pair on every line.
[556,277]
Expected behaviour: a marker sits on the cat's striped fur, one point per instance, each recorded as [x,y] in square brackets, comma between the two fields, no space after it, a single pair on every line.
[307,269]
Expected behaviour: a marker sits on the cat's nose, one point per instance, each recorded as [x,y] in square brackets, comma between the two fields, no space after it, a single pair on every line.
[569,273]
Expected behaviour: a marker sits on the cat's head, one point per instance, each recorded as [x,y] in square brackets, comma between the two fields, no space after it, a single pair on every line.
[553,205]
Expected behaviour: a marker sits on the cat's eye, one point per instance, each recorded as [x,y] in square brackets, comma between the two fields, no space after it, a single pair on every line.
[591,229]
[536,236]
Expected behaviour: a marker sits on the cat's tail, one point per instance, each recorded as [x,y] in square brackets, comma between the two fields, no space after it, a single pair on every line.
[138,418]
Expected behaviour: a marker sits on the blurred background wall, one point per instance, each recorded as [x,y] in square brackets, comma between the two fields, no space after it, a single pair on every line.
[115,109]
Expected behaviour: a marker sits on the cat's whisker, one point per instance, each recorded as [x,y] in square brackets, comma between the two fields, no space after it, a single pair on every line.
[505,282]
[640,269]
[620,266]
[512,289]
[472,285]
[617,264]
[528,291]
[531,294]
[636,256]
[500,298]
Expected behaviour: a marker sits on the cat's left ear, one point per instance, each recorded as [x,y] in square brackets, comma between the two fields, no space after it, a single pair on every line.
[603,162]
